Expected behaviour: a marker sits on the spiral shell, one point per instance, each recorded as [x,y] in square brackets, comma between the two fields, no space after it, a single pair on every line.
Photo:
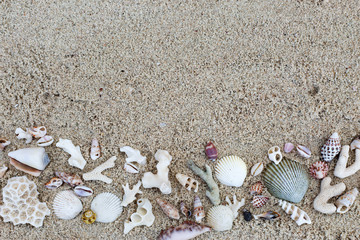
[89,217]
[231,171]
[168,209]
[67,205]
[331,148]
[198,212]
[71,179]
[259,201]
[257,188]
[54,182]
[107,207]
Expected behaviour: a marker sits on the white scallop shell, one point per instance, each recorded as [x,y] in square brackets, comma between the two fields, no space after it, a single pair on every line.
[32,157]
[67,205]
[220,218]
[231,171]
[107,207]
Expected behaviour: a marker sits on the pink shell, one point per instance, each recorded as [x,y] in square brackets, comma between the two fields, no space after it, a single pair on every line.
[303,151]
[257,188]
[259,201]
[187,230]
[288,147]
[331,148]
[54,183]
[71,179]
[211,151]
[319,169]
[168,209]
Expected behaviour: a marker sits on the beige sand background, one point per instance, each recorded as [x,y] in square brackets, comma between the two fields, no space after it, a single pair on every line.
[172,75]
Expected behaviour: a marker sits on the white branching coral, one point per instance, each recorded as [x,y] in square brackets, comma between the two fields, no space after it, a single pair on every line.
[21,134]
[129,194]
[76,159]
[96,173]
[133,155]
[341,171]
[236,205]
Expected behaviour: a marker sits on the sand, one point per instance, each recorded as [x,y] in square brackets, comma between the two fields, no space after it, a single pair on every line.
[172,75]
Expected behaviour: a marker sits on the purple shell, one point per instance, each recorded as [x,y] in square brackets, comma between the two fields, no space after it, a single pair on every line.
[211,151]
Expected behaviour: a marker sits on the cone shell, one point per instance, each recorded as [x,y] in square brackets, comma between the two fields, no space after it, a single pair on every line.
[199,212]
[257,188]
[288,180]
[95,151]
[319,169]
[188,182]
[71,179]
[259,201]
[211,151]
[67,205]
[107,207]
[89,217]
[168,209]
[231,171]
[220,218]
[33,157]
[331,148]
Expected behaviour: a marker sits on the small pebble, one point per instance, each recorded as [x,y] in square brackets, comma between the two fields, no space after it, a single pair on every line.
[247,215]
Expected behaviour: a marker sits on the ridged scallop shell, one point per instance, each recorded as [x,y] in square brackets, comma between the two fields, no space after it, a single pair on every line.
[319,169]
[67,205]
[288,180]
[257,188]
[107,207]
[331,148]
[220,218]
[231,171]
[259,201]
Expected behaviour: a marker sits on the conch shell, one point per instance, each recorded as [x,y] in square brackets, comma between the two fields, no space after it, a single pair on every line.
[344,203]
[298,215]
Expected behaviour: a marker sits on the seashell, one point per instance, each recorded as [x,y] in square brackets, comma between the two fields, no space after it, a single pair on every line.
[3,143]
[188,182]
[71,179]
[331,148]
[133,155]
[168,209]
[275,154]
[319,169]
[76,159]
[288,180]
[37,132]
[29,160]
[220,218]
[288,147]
[88,217]
[355,144]
[257,188]
[67,205]
[259,201]
[95,151]
[199,212]
[303,151]
[184,210]
[298,215]
[55,182]
[247,215]
[95,174]
[129,194]
[211,151]
[3,170]
[269,215]
[231,171]
[131,168]
[21,134]
[83,191]
[142,216]
[186,230]
[107,207]
[45,141]
[257,169]
[344,203]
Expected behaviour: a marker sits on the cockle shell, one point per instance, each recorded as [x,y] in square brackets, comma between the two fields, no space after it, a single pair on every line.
[83,191]
[288,180]
[71,179]
[107,207]
[95,151]
[184,210]
[29,160]
[55,182]
[3,143]
[288,147]
[37,132]
[274,154]
[88,217]
[67,205]
[220,218]
[298,215]
[45,141]
[131,168]
[303,151]
[186,230]
[259,201]
[331,148]
[211,151]
[188,182]
[344,203]
[269,215]
[3,170]
[247,215]
[257,169]
[198,212]
[231,171]
[168,209]
[257,188]
[319,169]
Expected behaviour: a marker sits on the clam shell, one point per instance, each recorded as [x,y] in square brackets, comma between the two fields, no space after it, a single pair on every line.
[231,171]
[32,157]
[288,180]
[288,147]
[107,207]
[67,205]
[220,218]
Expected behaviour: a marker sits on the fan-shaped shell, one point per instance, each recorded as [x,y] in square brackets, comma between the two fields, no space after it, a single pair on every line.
[220,218]
[288,180]
[67,205]
[231,171]
[107,207]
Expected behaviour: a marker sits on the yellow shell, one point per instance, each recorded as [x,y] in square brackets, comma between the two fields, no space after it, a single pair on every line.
[89,217]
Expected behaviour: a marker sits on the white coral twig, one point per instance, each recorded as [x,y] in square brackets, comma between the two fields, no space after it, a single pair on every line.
[21,134]
[96,173]
[236,205]
[129,194]
[133,155]
[76,159]
[341,171]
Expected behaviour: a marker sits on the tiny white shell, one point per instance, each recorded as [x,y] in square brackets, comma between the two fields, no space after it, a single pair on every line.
[3,170]
[257,169]
[107,207]
[231,171]
[67,205]
[95,151]
[83,191]
[275,155]
[37,132]
[355,144]
[288,147]
[303,151]
[131,168]
[220,218]
[344,203]
[45,141]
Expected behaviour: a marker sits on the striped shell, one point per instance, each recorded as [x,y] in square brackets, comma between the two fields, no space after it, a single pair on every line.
[211,151]
[257,169]
[198,212]
[259,201]
[231,171]
[257,188]
[288,180]
[71,179]
[319,169]
[168,209]
[331,148]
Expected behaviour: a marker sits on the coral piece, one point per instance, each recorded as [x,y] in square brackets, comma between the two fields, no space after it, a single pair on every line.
[54,183]
[319,169]
[170,210]
[83,191]
[326,192]
[355,144]
[133,155]
[331,148]
[88,217]
[3,143]
[298,215]
[45,141]
[303,151]
[344,203]
[161,179]
[257,188]
[213,192]
[211,151]
[107,207]
[3,170]
[95,174]
[186,230]
[288,147]
[142,216]
[269,215]
[131,168]
[184,210]
[37,132]
[95,151]
[231,171]
[259,201]
[199,212]
[21,205]
[275,155]
[341,171]
[67,205]
[236,205]
[247,215]
[76,159]
[71,179]
[188,182]
[129,194]
[257,169]
[21,134]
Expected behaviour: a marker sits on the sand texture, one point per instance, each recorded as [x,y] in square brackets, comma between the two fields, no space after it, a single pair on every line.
[172,75]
